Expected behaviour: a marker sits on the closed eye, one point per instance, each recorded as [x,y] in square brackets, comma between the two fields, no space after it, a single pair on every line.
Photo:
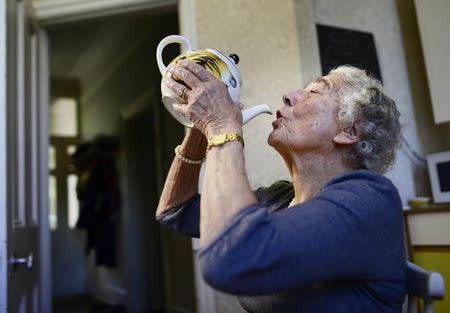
[313,91]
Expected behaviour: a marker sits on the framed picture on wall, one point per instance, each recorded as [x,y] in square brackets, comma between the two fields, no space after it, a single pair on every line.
[439,171]
[340,46]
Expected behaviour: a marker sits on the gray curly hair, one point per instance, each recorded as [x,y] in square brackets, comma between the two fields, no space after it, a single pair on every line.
[364,106]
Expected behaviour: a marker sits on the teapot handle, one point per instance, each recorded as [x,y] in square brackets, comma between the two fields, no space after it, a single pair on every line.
[166,41]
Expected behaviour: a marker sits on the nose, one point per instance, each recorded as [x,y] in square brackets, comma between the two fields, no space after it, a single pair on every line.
[293,97]
[289,99]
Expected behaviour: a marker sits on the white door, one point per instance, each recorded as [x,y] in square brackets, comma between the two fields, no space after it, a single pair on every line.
[20,158]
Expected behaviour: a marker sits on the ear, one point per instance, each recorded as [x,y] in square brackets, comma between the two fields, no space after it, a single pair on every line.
[347,136]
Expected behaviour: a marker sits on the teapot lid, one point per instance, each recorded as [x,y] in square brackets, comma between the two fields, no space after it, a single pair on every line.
[234,57]
[232,60]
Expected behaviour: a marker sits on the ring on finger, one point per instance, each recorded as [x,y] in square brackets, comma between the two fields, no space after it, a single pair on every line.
[182,92]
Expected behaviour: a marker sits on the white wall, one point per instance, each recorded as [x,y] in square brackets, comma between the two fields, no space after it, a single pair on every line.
[434,25]
[267,45]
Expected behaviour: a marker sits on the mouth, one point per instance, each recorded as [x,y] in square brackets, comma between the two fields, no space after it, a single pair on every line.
[278,121]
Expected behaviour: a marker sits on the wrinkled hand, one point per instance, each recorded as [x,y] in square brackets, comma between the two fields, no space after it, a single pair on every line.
[208,104]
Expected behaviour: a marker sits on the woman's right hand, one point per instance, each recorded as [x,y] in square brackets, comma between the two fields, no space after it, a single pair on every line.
[182,180]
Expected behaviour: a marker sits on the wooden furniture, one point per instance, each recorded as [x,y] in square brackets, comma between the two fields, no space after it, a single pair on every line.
[427,235]
[437,212]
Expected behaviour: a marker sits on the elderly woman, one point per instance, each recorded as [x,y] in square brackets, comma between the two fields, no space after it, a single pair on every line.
[330,241]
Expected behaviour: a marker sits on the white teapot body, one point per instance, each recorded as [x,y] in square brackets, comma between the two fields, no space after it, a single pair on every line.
[221,66]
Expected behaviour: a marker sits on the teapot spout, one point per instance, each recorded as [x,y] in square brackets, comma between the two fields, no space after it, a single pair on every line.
[250,113]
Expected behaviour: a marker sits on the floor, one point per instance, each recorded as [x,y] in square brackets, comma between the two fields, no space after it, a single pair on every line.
[88,305]
[85,305]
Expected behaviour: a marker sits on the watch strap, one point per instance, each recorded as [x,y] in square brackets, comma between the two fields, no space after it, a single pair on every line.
[220,139]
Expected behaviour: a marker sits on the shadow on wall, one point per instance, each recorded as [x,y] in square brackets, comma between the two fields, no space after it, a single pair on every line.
[99,197]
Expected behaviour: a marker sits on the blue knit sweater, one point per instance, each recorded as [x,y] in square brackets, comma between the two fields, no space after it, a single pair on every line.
[342,251]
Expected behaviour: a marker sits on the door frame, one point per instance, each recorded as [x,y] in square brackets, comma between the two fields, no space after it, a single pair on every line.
[36,160]
[3,165]
[45,278]
[52,13]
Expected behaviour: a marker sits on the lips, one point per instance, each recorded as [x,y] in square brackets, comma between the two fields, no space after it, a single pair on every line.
[278,121]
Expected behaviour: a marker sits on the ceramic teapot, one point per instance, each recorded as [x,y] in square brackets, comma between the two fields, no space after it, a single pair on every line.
[221,66]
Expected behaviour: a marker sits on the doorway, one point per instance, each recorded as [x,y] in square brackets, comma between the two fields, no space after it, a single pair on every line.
[112,59]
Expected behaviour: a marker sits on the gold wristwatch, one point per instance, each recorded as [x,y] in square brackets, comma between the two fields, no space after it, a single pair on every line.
[220,139]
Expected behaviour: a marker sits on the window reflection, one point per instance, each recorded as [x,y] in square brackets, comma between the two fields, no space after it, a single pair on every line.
[53,217]
[51,158]
[63,117]
[73,209]
[71,149]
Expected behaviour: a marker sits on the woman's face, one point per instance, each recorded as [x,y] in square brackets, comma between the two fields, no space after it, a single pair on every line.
[308,120]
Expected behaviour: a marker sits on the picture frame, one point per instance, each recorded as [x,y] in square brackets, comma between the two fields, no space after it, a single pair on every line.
[439,172]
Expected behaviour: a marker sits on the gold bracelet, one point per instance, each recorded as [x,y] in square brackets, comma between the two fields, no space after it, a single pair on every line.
[220,139]
[185,159]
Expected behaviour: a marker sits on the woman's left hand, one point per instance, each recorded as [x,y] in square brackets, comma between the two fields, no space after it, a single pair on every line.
[207,101]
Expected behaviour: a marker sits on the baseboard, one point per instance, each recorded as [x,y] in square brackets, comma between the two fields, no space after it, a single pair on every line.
[175,309]
[110,294]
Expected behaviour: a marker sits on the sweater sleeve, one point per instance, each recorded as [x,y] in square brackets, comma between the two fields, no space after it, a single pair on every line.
[352,230]
[185,218]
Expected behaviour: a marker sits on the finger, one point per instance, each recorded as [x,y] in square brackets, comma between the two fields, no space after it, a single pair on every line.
[175,86]
[185,75]
[198,70]
[180,108]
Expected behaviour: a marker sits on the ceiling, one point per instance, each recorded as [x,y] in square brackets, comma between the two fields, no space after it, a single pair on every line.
[50,12]
[91,50]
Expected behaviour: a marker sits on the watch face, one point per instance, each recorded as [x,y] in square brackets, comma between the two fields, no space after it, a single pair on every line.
[217,140]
